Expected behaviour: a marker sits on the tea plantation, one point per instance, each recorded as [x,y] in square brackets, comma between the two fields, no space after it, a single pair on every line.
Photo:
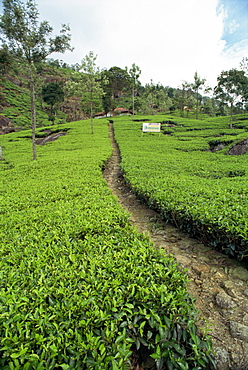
[180,174]
[80,287]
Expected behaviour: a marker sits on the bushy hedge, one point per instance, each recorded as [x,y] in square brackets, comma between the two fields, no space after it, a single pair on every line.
[80,287]
[203,193]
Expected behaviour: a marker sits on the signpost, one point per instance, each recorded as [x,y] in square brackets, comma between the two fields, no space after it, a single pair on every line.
[151,127]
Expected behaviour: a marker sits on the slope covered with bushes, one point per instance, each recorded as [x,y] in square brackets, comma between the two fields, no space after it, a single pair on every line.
[200,190]
[15,95]
[80,287]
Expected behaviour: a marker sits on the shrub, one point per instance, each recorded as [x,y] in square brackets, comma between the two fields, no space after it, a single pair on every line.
[80,287]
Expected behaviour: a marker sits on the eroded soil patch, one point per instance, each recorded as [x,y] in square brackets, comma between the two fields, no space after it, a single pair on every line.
[49,138]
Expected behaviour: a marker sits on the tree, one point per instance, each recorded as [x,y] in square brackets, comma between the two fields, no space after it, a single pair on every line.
[52,94]
[118,81]
[198,83]
[232,88]
[244,65]
[149,101]
[5,60]
[29,40]
[88,84]
[184,97]
[134,73]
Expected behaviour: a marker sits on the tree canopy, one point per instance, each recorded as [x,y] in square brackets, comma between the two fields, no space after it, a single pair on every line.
[52,94]
[26,38]
[232,88]
[87,83]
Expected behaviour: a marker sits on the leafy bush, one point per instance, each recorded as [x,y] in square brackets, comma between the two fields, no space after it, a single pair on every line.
[201,192]
[80,287]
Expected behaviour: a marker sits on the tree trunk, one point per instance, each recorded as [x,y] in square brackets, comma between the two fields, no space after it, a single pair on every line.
[133,98]
[33,108]
[91,115]
[231,116]
[197,104]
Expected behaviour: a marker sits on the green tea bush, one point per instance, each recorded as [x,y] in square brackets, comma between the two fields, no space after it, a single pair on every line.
[18,99]
[203,193]
[80,287]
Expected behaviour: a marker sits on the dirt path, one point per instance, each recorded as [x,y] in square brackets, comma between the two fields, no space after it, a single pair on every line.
[218,283]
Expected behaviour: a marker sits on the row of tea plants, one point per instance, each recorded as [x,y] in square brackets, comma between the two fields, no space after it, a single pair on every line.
[201,191]
[80,287]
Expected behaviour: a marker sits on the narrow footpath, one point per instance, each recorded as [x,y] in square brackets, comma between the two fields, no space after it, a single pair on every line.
[218,283]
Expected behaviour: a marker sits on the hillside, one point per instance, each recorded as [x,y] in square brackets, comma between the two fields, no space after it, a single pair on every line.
[217,282]
[15,111]
[201,190]
[81,288]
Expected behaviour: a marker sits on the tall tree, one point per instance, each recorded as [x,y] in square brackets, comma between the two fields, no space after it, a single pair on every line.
[244,65]
[197,85]
[118,82]
[134,73]
[28,39]
[88,84]
[5,60]
[53,94]
[232,88]
[184,97]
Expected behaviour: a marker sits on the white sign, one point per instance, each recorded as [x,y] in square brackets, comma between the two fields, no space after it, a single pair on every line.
[151,127]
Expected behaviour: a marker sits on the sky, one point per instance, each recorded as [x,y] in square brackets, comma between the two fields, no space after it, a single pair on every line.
[169,40]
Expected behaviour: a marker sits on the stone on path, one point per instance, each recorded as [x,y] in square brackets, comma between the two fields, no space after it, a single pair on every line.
[239,331]
[223,300]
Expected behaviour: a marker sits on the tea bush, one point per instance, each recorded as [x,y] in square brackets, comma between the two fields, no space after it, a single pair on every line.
[80,287]
[203,193]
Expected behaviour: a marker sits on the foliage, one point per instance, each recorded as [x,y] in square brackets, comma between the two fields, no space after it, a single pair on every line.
[232,88]
[80,287]
[53,94]
[24,36]
[198,83]
[118,83]
[5,60]
[17,103]
[155,98]
[134,73]
[184,98]
[202,192]
[87,84]
[28,39]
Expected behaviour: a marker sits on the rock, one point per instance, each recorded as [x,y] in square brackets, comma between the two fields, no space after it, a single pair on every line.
[204,259]
[174,250]
[4,121]
[219,275]
[239,331]
[184,261]
[223,300]
[240,273]
[200,268]
[239,148]
[244,306]
[229,284]
[198,282]
[245,319]
[232,289]
[173,239]
[222,359]
[245,292]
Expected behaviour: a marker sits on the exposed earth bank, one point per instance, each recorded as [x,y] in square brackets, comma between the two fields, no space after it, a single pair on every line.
[218,283]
